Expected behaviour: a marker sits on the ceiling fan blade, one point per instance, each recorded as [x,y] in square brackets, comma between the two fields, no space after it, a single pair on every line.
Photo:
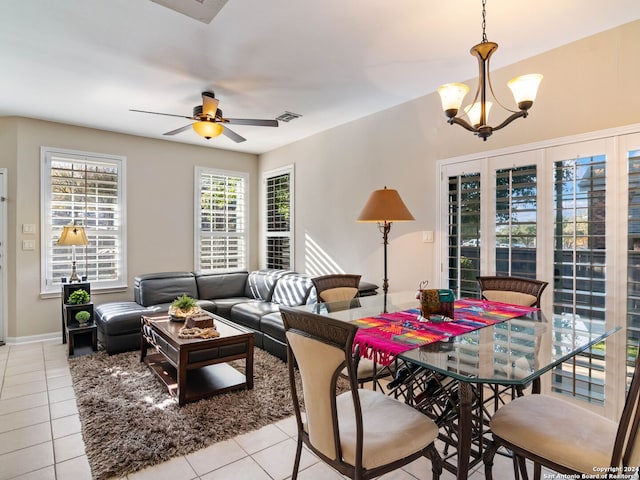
[179,130]
[251,121]
[232,135]
[165,114]
[209,104]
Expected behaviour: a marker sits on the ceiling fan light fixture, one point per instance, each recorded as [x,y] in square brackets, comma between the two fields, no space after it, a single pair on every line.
[208,129]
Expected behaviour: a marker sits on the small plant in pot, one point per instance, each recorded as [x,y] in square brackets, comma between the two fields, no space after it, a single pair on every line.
[79,297]
[183,307]
[83,317]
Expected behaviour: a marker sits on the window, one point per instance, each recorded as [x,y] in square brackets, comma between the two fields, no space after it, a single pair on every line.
[85,189]
[278,185]
[221,200]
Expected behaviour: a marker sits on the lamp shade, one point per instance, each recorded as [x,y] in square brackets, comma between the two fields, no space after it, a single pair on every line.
[525,87]
[73,235]
[385,206]
[208,129]
[474,112]
[451,96]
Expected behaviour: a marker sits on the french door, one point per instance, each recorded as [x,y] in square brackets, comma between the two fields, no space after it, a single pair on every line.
[570,215]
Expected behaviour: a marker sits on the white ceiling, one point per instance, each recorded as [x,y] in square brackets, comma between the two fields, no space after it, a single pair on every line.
[87,62]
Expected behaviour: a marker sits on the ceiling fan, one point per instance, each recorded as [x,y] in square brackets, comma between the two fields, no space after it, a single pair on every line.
[209,121]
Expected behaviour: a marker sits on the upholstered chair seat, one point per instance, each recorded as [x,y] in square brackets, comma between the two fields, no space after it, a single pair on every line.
[383,444]
[565,437]
[557,430]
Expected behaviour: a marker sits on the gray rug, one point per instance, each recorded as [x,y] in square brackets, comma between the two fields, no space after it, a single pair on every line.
[129,420]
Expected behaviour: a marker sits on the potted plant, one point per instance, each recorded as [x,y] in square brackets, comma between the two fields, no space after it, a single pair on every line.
[83,317]
[183,307]
[79,297]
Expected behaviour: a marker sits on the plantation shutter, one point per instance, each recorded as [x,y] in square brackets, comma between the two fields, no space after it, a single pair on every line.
[278,221]
[516,221]
[580,267]
[222,222]
[83,190]
[464,233]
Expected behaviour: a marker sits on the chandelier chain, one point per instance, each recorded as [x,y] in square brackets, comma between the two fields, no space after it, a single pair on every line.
[484,21]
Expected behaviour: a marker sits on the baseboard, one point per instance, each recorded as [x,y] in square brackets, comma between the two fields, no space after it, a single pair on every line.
[34,338]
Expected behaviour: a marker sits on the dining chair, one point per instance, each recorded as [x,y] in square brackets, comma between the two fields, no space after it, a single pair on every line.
[567,438]
[515,290]
[336,287]
[522,291]
[360,433]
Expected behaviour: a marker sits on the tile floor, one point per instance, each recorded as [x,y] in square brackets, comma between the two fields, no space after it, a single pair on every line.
[40,434]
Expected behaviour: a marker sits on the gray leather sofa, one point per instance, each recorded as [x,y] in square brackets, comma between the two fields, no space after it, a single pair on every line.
[250,299]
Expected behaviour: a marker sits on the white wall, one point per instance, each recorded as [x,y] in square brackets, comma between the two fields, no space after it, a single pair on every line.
[588,85]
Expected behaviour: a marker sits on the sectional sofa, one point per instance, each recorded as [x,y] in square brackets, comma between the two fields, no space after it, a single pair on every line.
[251,299]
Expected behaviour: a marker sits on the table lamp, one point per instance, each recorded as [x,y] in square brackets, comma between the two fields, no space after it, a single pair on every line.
[384,207]
[73,235]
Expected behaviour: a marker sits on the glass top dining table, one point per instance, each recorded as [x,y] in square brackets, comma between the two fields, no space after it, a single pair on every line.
[513,352]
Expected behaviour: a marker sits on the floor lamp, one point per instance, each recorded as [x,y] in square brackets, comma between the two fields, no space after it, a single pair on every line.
[73,235]
[384,207]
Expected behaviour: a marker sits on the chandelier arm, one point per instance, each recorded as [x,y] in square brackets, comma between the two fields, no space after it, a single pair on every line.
[511,118]
[493,94]
[463,123]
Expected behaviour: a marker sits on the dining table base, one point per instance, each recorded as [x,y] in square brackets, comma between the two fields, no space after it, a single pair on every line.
[461,410]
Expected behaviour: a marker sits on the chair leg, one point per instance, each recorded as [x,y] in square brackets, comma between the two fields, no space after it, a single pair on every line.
[523,467]
[436,461]
[537,471]
[516,470]
[487,458]
[296,462]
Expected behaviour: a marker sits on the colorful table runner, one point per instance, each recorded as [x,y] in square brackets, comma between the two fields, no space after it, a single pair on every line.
[383,337]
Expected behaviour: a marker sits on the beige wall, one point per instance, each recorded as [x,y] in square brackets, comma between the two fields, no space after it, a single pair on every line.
[589,85]
[160,179]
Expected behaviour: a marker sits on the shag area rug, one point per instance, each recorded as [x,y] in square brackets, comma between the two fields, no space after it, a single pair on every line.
[129,420]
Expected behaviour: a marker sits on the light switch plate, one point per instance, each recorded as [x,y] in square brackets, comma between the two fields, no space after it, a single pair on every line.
[427,236]
[29,228]
[28,244]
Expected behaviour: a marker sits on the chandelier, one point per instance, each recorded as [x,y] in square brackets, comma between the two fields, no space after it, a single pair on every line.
[524,89]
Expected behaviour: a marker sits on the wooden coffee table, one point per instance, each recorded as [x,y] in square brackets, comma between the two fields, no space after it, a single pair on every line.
[196,368]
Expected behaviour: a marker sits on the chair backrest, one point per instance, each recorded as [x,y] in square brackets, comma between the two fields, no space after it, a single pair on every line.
[321,347]
[514,290]
[336,287]
[626,451]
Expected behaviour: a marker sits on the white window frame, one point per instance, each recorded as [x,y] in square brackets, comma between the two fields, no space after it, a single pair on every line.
[198,233]
[288,169]
[48,232]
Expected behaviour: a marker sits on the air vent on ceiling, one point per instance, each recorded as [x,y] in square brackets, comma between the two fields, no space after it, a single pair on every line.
[201,10]
[287,116]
